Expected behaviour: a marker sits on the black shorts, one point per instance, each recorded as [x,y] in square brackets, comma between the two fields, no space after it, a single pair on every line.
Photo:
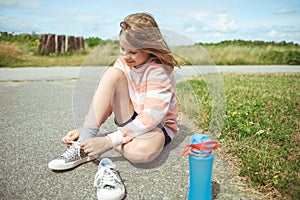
[167,137]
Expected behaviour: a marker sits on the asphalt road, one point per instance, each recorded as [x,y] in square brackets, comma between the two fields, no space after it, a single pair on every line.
[63,73]
[36,113]
[34,116]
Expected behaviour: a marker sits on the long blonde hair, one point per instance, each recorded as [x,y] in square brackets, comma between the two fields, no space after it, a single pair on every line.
[142,32]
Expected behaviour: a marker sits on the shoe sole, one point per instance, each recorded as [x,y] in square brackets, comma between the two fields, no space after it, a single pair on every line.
[111,198]
[71,165]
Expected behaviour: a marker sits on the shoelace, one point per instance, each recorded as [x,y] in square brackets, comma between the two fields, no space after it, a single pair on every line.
[106,177]
[71,149]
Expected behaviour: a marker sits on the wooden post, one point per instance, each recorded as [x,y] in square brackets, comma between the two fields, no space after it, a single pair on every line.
[71,42]
[81,43]
[61,43]
[41,45]
[56,44]
[46,44]
[51,43]
[77,44]
[66,43]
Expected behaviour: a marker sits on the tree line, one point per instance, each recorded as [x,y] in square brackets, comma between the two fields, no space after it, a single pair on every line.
[95,41]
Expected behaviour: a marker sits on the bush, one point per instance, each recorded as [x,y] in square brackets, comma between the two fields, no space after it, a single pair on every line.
[93,41]
[293,58]
[9,54]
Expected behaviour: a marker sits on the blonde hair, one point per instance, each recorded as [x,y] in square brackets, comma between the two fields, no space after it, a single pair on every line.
[142,32]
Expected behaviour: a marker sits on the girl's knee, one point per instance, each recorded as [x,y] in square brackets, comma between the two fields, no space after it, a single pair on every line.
[146,148]
[113,73]
[141,155]
[116,71]
[141,159]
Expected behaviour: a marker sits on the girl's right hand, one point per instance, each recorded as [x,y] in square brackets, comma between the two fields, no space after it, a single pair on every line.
[70,137]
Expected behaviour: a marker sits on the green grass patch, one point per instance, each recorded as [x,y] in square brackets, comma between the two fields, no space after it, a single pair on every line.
[261,126]
[254,55]
[21,51]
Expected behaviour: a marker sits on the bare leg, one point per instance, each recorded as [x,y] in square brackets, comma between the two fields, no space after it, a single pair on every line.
[122,105]
[112,95]
[101,106]
[144,148]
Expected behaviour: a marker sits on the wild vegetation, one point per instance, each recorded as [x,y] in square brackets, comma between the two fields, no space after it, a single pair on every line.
[261,129]
[240,52]
[21,51]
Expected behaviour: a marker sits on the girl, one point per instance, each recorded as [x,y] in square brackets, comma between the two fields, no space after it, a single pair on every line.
[140,90]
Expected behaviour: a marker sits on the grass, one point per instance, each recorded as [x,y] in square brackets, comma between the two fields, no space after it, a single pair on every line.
[14,55]
[261,126]
[256,55]
[15,51]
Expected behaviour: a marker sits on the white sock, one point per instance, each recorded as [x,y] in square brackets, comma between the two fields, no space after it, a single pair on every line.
[88,132]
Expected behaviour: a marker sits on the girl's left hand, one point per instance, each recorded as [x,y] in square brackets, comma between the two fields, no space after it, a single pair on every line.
[95,146]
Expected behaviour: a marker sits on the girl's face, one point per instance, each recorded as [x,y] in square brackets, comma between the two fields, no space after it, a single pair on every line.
[133,57]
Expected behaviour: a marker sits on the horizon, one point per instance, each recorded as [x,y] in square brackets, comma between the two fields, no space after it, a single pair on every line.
[200,21]
[222,41]
[218,42]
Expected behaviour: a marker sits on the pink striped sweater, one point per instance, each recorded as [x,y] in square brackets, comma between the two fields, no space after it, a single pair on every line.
[152,92]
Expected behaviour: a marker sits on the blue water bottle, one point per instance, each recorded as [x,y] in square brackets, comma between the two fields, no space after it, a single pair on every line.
[200,163]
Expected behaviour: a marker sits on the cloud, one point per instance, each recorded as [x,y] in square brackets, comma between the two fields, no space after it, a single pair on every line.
[21,3]
[86,18]
[191,29]
[92,19]
[210,26]
[223,24]
[284,11]
[16,24]
[284,33]
[210,22]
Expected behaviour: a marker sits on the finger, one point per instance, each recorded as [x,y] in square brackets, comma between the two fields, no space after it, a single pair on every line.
[64,141]
[67,142]
[82,145]
[91,154]
[73,132]
[88,152]
[72,138]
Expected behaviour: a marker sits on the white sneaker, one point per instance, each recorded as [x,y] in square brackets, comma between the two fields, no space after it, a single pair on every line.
[71,158]
[108,182]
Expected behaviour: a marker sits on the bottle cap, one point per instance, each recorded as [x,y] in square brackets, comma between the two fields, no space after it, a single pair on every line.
[200,145]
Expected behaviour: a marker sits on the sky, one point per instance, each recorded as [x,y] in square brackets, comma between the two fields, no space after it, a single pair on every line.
[199,20]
